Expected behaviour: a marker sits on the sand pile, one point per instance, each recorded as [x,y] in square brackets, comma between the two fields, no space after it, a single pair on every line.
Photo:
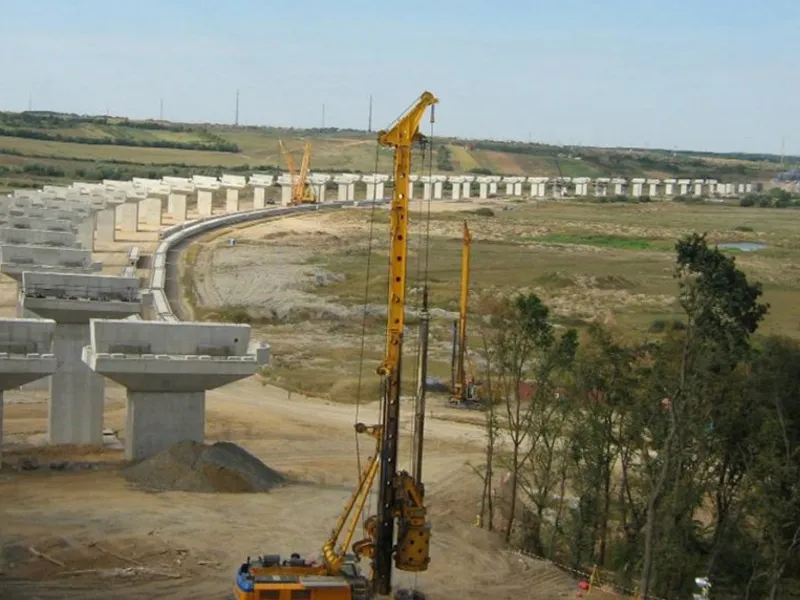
[195,467]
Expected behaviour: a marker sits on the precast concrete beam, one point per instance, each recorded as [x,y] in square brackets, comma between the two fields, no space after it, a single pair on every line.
[38,237]
[167,368]
[25,356]
[75,413]
[14,259]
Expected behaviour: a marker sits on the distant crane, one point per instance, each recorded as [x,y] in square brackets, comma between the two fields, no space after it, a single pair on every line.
[302,193]
[463,391]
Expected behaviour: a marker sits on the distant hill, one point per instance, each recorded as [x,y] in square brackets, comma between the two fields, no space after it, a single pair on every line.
[40,147]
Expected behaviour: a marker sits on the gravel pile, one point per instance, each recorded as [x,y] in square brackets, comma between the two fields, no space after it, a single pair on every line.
[194,467]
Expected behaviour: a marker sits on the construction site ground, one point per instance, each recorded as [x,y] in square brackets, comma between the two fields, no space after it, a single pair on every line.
[72,527]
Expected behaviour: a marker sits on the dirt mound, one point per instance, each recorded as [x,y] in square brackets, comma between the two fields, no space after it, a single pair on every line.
[194,467]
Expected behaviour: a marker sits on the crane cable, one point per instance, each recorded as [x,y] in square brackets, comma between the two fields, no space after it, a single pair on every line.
[364,308]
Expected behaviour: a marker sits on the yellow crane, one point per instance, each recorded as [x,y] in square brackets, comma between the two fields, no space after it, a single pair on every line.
[401,508]
[302,192]
[462,389]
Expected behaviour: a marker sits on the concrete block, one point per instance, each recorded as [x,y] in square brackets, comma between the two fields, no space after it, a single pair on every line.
[155,421]
[19,222]
[128,216]
[106,225]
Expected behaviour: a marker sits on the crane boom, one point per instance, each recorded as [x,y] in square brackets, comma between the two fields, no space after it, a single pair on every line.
[398,494]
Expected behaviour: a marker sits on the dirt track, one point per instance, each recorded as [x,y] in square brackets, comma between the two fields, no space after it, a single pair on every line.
[84,518]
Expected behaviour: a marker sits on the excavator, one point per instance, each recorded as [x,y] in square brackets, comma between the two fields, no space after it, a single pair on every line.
[465,391]
[302,193]
[399,534]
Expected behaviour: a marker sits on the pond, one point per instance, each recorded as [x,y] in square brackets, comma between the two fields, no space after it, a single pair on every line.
[743,246]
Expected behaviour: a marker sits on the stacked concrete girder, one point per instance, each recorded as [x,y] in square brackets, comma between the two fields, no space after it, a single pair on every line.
[25,356]
[44,207]
[179,189]
[167,369]
[232,185]
[156,192]
[318,183]
[71,300]
[205,186]
[38,237]
[260,183]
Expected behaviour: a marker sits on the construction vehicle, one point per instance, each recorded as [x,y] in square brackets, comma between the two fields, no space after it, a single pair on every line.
[465,390]
[400,507]
[302,192]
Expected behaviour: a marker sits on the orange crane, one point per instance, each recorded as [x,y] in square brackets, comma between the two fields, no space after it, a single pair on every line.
[399,534]
[302,193]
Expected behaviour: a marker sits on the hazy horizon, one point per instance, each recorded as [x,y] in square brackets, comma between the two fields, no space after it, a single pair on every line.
[715,76]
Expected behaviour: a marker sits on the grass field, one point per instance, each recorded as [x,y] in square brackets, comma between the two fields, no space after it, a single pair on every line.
[611,263]
[38,148]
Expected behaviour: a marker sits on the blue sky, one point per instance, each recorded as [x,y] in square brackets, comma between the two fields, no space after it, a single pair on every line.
[718,75]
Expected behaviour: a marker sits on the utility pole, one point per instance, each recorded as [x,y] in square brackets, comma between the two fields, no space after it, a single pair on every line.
[237,109]
[323,115]
[30,100]
[369,121]
[161,110]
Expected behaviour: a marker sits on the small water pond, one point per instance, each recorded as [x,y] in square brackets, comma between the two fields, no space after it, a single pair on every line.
[743,246]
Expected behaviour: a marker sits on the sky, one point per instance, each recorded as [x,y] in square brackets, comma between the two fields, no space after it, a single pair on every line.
[717,75]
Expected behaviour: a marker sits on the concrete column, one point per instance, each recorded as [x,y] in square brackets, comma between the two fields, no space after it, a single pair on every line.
[231,200]
[638,188]
[669,188]
[342,191]
[653,185]
[456,189]
[286,194]
[259,197]
[437,190]
[178,209]
[379,190]
[483,190]
[411,190]
[157,420]
[698,188]
[75,409]
[466,189]
[518,188]
[370,191]
[25,356]
[204,202]
[106,223]
[152,211]
[85,232]
[128,216]
[351,192]
[492,187]
[509,188]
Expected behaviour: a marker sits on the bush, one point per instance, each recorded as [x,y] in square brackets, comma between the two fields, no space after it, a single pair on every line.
[483,212]
[745,228]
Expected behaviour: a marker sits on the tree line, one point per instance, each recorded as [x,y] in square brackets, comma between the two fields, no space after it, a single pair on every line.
[657,461]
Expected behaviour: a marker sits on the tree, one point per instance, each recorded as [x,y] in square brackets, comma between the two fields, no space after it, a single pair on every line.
[722,311]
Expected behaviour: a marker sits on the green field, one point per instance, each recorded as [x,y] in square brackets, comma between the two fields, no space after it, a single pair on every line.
[589,262]
[38,148]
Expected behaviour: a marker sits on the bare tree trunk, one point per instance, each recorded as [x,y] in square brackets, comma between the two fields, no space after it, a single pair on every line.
[512,509]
